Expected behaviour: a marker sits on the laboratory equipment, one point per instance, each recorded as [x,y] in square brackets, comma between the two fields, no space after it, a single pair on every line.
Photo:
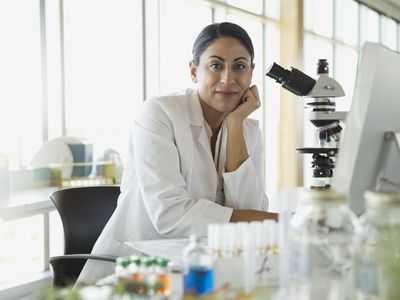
[321,112]
[322,241]
[249,250]
[378,253]
[369,157]
[198,277]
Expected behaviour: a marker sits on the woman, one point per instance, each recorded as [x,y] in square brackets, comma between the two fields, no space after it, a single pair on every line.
[194,158]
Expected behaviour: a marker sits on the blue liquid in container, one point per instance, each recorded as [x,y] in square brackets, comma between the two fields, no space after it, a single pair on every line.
[199,280]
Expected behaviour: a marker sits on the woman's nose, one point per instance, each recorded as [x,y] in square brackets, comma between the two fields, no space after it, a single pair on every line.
[227,76]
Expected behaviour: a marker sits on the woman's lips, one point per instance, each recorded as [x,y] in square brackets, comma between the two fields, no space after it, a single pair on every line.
[226,93]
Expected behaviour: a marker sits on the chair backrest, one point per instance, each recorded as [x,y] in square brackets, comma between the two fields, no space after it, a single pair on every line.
[84,212]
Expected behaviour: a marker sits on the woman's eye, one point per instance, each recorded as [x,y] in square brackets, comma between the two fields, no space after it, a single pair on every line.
[216,66]
[239,67]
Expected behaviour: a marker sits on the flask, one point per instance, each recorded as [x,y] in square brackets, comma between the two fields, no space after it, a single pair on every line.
[378,252]
[322,240]
[198,269]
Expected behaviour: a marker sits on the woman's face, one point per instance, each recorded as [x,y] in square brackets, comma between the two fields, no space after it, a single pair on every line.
[223,74]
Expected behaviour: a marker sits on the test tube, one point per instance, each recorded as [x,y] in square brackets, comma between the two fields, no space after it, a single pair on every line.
[214,239]
[248,258]
[274,238]
[256,228]
[240,231]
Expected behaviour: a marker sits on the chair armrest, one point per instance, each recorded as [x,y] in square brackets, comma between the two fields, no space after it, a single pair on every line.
[102,257]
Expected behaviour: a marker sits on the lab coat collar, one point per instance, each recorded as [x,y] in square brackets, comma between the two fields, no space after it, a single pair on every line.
[195,109]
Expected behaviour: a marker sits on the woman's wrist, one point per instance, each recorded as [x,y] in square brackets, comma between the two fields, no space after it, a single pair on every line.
[234,120]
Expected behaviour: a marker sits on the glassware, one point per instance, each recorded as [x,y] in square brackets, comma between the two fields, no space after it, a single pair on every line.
[134,269]
[322,241]
[121,268]
[198,269]
[163,276]
[378,253]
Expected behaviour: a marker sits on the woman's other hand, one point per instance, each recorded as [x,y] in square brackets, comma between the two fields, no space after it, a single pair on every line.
[248,215]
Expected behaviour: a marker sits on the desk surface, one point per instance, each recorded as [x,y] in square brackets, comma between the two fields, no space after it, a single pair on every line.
[172,249]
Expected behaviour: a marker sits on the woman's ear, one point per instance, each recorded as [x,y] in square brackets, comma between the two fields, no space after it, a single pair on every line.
[252,68]
[193,71]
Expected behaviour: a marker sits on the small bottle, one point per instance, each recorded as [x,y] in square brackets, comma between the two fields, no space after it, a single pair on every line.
[163,276]
[149,275]
[378,252]
[198,269]
[322,237]
[121,268]
[134,269]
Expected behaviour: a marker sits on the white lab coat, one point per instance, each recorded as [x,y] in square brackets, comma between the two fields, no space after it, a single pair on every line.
[170,180]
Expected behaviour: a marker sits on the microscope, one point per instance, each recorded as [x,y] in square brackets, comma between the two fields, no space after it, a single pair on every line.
[320,111]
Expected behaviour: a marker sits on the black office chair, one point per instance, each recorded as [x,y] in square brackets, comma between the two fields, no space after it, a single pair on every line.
[84,212]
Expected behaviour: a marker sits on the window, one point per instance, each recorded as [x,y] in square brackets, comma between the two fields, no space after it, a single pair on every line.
[318,16]
[389,32]
[83,67]
[177,36]
[341,47]
[255,6]
[369,29]
[19,235]
[21,80]
[54,71]
[347,31]
[103,69]
[271,109]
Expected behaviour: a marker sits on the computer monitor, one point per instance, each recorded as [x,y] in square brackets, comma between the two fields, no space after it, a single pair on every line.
[363,153]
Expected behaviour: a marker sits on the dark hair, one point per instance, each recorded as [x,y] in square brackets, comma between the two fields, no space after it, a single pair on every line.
[213,31]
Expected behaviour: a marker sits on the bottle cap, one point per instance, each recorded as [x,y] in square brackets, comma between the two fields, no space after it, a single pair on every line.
[134,259]
[378,199]
[322,196]
[163,262]
[123,261]
[146,261]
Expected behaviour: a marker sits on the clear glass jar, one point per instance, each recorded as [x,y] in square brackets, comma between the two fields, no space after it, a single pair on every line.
[198,277]
[378,251]
[322,241]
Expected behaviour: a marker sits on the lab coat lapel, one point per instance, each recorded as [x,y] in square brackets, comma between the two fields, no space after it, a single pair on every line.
[197,124]
[199,131]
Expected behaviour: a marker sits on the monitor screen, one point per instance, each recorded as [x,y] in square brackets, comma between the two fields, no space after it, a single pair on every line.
[364,156]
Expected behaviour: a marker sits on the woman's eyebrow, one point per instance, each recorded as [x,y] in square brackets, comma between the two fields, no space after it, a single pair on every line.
[220,58]
[238,58]
[217,57]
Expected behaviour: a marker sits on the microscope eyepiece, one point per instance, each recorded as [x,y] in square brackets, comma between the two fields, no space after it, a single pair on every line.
[278,73]
[293,80]
[322,66]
